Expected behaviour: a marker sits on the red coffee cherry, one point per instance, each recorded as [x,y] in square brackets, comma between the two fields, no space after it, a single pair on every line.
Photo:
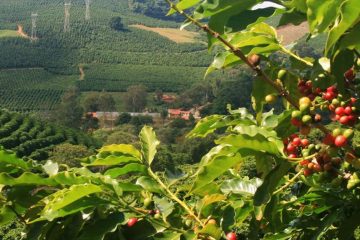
[305,142]
[340,111]
[296,142]
[344,120]
[350,74]
[340,141]
[307,172]
[231,236]
[132,222]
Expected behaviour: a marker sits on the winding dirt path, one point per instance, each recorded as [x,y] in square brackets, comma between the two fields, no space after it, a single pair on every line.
[21,31]
[82,73]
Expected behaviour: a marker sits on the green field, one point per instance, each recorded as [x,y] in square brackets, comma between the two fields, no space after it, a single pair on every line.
[8,33]
[32,89]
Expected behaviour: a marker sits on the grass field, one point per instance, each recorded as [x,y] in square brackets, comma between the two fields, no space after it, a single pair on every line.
[175,35]
[9,33]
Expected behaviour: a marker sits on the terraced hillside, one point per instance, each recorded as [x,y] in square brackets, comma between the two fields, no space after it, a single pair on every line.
[81,56]
[33,138]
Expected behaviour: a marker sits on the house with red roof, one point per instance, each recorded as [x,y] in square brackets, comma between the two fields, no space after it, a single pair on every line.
[179,113]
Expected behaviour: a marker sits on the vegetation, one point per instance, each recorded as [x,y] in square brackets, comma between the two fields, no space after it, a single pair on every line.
[135,98]
[111,60]
[306,184]
[152,8]
[33,138]
[116,24]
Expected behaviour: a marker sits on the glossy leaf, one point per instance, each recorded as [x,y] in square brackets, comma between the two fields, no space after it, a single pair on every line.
[148,184]
[122,149]
[253,130]
[129,168]
[77,206]
[112,160]
[66,196]
[241,21]
[258,142]
[350,14]
[99,229]
[165,206]
[223,60]
[220,11]
[271,181]
[25,179]
[168,236]
[9,158]
[6,215]
[184,4]
[208,125]
[149,144]
[241,186]
[321,14]
[211,230]
[216,165]
[350,40]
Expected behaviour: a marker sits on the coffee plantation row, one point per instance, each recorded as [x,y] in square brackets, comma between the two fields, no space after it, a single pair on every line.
[34,138]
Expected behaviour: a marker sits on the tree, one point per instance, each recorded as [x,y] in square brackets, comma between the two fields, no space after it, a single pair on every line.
[69,112]
[121,137]
[91,103]
[197,95]
[135,98]
[164,114]
[117,24]
[69,154]
[106,102]
[123,118]
[90,123]
[228,93]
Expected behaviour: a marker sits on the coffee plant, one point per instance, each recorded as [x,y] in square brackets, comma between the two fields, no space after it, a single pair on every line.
[306,188]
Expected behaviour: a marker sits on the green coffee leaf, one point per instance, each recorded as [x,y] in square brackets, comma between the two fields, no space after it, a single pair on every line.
[65,197]
[349,15]
[183,5]
[148,184]
[216,164]
[26,179]
[120,149]
[258,142]
[165,206]
[149,144]
[321,14]
[129,168]
[99,229]
[241,186]
[271,181]
[113,160]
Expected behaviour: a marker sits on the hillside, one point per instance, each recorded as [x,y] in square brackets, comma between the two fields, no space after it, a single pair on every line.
[92,55]
[32,138]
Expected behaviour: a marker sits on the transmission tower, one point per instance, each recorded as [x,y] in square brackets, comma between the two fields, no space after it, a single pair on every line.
[67,17]
[33,27]
[87,12]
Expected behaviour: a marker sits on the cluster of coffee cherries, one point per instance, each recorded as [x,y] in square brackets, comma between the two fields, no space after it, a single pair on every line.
[339,137]
[344,112]
[295,146]
[323,162]
[153,212]
[306,89]
[303,117]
